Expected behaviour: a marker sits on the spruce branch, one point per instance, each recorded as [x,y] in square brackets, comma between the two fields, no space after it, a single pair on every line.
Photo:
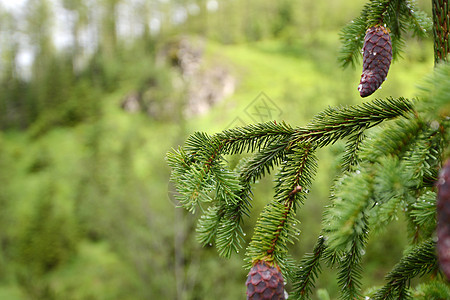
[227,185]
[336,123]
[296,175]
[203,147]
[350,269]
[208,224]
[423,159]
[391,192]
[197,152]
[382,215]
[194,184]
[229,236]
[352,39]
[419,22]
[419,261]
[201,176]
[397,24]
[346,229]
[203,181]
[424,211]
[391,181]
[344,220]
[433,289]
[230,233]
[388,169]
[394,139]
[276,227]
[222,225]
[308,270]
[351,159]
[434,105]
[252,137]
[264,161]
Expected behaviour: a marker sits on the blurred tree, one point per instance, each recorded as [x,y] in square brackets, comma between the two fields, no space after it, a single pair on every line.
[46,89]
[285,17]
[48,240]
[80,14]
[39,24]
[108,29]
[145,12]
[13,111]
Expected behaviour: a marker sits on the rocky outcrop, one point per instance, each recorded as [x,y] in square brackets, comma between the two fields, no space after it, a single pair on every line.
[193,87]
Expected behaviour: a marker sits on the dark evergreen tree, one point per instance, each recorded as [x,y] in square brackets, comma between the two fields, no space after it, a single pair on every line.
[394,150]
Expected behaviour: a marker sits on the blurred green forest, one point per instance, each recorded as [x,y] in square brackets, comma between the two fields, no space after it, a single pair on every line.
[95,92]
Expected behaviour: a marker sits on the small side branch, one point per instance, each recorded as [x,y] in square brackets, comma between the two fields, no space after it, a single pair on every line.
[418,262]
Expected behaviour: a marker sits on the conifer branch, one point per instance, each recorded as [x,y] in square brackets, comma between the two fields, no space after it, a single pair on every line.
[346,229]
[392,140]
[434,104]
[424,210]
[252,137]
[420,22]
[296,175]
[201,176]
[350,270]
[307,271]
[264,161]
[433,289]
[352,40]
[386,170]
[423,160]
[395,191]
[193,181]
[229,235]
[419,261]
[351,159]
[222,224]
[276,227]
[382,214]
[197,180]
[208,225]
[391,181]
[223,227]
[336,123]
[344,220]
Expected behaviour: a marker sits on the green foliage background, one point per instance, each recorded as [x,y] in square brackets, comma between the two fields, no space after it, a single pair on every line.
[86,210]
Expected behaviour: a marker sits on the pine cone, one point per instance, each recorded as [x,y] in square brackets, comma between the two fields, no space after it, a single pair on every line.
[377,55]
[443,216]
[265,282]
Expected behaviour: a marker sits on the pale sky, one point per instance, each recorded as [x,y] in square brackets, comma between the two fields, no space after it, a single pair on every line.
[12,4]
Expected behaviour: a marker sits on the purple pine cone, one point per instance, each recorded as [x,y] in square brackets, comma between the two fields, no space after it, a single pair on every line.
[265,282]
[377,56]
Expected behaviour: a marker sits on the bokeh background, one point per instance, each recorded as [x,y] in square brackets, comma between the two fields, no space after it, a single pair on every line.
[94,93]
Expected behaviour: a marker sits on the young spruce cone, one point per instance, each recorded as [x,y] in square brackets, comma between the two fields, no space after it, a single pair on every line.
[265,282]
[377,55]
[443,216]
